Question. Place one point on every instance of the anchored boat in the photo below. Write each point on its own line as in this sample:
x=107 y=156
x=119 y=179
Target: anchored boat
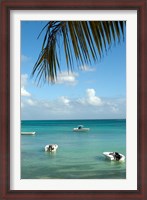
x=28 y=133
x=81 y=128
x=51 y=147
x=114 y=156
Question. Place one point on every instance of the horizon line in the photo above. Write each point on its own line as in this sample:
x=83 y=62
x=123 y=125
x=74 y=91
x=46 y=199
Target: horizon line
x=72 y=119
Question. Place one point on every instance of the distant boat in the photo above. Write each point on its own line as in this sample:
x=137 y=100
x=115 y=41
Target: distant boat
x=28 y=133
x=114 y=156
x=81 y=128
x=51 y=147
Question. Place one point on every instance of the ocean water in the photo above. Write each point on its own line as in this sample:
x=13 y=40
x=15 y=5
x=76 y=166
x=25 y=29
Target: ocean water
x=79 y=155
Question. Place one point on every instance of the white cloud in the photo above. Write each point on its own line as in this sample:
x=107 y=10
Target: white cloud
x=31 y=102
x=91 y=98
x=25 y=58
x=24 y=92
x=114 y=109
x=24 y=79
x=89 y=107
x=87 y=68
x=67 y=78
x=65 y=100
x=116 y=105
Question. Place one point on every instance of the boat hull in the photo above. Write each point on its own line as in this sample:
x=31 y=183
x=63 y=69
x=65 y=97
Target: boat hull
x=110 y=156
x=28 y=133
x=81 y=129
x=51 y=147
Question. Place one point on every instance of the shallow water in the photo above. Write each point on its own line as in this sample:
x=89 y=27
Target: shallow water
x=79 y=155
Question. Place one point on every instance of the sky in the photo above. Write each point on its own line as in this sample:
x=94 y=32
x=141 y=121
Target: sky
x=96 y=91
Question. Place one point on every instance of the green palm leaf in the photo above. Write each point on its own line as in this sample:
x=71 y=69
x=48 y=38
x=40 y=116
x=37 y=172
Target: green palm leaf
x=83 y=41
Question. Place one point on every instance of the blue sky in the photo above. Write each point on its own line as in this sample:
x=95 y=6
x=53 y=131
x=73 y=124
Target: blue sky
x=98 y=91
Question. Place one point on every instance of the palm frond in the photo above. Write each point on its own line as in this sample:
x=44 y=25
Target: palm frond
x=83 y=41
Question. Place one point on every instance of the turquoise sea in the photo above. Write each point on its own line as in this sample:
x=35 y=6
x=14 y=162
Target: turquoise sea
x=79 y=155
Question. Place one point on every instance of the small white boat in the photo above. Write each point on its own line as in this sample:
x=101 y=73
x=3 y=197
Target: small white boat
x=28 y=133
x=81 y=128
x=114 y=156
x=51 y=147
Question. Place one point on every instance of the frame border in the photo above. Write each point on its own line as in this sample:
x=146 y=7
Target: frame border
x=5 y=7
